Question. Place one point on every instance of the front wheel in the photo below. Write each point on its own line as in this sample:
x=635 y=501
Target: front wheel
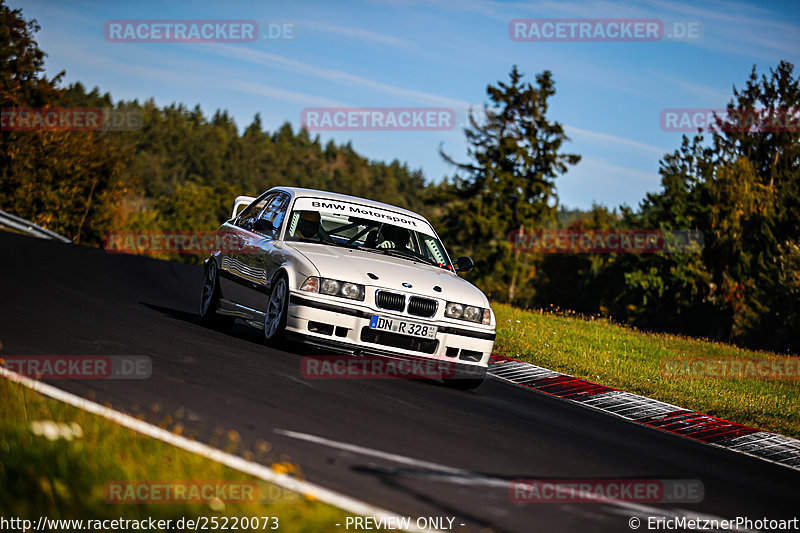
x=275 y=318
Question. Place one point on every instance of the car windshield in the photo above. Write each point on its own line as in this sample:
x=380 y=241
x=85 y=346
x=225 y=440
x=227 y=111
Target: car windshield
x=367 y=233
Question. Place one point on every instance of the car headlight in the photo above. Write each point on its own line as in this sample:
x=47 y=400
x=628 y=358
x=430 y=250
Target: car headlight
x=329 y=286
x=464 y=312
x=453 y=310
x=473 y=314
x=333 y=287
x=353 y=291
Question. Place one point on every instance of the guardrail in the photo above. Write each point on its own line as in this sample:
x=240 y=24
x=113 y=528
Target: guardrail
x=26 y=226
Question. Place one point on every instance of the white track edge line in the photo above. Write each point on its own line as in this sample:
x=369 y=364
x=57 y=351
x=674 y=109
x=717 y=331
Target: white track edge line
x=469 y=478
x=260 y=471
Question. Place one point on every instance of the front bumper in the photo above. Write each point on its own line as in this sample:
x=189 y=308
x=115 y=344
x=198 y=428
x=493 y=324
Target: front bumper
x=345 y=327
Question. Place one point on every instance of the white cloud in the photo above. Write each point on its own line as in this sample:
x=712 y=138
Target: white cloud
x=338 y=76
x=608 y=138
x=713 y=96
x=355 y=33
x=276 y=93
x=610 y=173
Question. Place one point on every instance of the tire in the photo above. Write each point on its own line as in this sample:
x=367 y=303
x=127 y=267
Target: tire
x=209 y=299
x=276 y=313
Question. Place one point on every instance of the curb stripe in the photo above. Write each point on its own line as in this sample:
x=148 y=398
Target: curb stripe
x=652 y=413
x=698 y=426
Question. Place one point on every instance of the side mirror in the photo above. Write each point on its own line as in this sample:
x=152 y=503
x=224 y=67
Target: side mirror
x=464 y=264
x=241 y=201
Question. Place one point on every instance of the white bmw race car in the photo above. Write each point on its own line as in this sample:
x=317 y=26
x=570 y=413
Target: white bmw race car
x=348 y=275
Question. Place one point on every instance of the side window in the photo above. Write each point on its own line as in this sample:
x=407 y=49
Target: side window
x=248 y=217
x=280 y=212
x=271 y=218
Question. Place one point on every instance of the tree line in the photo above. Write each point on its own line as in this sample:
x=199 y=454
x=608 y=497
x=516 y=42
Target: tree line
x=182 y=169
x=738 y=186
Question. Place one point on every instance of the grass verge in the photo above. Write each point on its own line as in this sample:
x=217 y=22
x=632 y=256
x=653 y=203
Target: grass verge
x=62 y=473
x=647 y=364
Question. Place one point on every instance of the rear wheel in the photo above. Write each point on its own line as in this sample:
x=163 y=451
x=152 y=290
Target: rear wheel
x=209 y=299
x=275 y=317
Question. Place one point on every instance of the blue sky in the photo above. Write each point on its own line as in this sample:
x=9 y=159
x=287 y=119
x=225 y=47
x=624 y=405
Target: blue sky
x=406 y=53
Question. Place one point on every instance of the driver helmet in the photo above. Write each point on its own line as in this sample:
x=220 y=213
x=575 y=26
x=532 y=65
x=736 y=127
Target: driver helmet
x=308 y=225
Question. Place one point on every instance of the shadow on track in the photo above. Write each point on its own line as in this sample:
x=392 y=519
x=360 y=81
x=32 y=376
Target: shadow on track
x=240 y=330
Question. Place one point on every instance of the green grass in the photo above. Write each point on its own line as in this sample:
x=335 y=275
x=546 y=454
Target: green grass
x=631 y=360
x=60 y=478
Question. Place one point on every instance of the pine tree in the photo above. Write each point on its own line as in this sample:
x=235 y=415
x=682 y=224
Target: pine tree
x=509 y=184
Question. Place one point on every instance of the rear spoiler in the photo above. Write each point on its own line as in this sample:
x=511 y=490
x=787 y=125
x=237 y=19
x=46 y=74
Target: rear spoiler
x=240 y=202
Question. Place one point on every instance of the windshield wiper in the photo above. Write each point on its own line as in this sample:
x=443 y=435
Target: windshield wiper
x=329 y=243
x=406 y=255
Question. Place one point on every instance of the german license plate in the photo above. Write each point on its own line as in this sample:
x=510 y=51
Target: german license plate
x=404 y=327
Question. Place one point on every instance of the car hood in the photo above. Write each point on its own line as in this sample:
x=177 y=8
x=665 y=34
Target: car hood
x=348 y=264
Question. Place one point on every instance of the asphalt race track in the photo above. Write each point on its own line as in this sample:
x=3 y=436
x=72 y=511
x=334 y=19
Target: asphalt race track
x=458 y=449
